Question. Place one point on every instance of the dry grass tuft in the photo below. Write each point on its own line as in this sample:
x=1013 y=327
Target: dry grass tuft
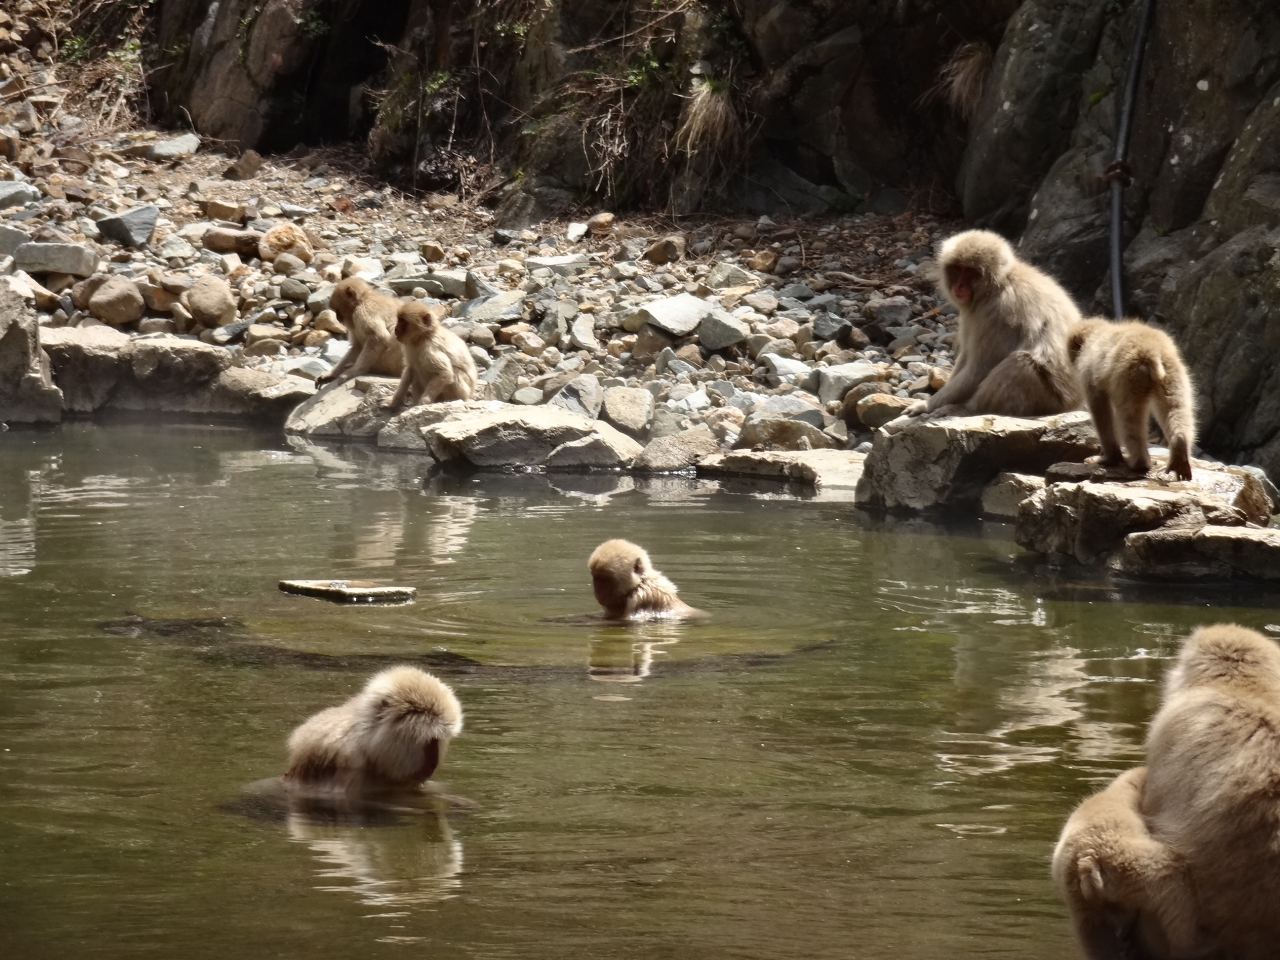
x=710 y=126
x=962 y=79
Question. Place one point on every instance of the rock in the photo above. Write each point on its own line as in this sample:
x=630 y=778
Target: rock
x=173 y=365
x=679 y=315
x=11 y=238
x=575 y=232
x=582 y=395
x=1207 y=552
x=727 y=275
x=505 y=306
x=567 y=265
x=1003 y=495
x=366 y=268
x=343 y=410
x=781 y=433
x=117 y=301
x=789 y=408
x=245 y=168
x=262 y=331
x=287 y=238
x=86 y=362
x=933 y=464
x=786 y=370
x=132 y=227
x=431 y=251
x=404 y=431
x=582 y=333
x=878 y=409
x=834 y=473
x=179 y=148
x=55 y=258
x=719 y=329
x=890 y=312
x=244 y=243
x=27 y=393
x=630 y=409
x=508 y=436
x=174 y=247
x=328 y=321
x=667 y=250
x=502 y=378
x=606 y=449
x=211 y=302
x=828 y=327
x=15 y=193
x=266 y=347
x=786 y=266
x=600 y=224
x=834 y=382
x=289 y=265
x=527 y=396
x=650 y=342
x=764 y=261
x=294 y=290
x=677 y=452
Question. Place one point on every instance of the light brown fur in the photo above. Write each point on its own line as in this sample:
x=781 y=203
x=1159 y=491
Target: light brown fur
x=437 y=364
x=370 y=319
x=1213 y=783
x=1127 y=371
x=1012 y=344
x=629 y=588
x=1128 y=894
x=391 y=734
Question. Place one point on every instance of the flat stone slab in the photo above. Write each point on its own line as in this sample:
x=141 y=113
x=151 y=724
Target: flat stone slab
x=1210 y=552
x=349 y=591
x=834 y=473
x=678 y=315
x=514 y=436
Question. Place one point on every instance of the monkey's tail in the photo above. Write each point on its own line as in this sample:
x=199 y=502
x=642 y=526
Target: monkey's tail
x=1149 y=370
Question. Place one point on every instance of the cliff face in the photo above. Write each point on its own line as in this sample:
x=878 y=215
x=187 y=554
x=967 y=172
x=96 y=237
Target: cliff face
x=808 y=106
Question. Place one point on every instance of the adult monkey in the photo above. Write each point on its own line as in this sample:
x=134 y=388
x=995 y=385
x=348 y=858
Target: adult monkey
x=1012 y=346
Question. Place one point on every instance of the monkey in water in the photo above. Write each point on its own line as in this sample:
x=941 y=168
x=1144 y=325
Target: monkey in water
x=1012 y=344
x=1128 y=894
x=630 y=589
x=1127 y=371
x=437 y=364
x=370 y=320
x=392 y=734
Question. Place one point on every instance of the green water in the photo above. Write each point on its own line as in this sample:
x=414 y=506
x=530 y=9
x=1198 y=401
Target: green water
x=867 y=752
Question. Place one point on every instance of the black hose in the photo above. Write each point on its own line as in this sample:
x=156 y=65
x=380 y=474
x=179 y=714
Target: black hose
x=1117 y=171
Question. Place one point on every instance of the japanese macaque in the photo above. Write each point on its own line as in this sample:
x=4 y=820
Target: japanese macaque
x=1128 y=893
x=1127 y=371
x=370 y=319
x=629 y=588
x=437 y=364
x=392 y=734
x=1012 y=345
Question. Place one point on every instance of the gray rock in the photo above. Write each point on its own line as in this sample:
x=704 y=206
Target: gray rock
x=556 y=319
x=788 y=408
x=117 y=301
x=796 y=291
x=27 y=393
x=294 y=290
x=785 y=370
x=178 y=148
x=890 y=312
x=827 y=326
x=16 y=193
x=835 y=382
x=506 y=306
x=211 y=302
x=778 y=433
x=606 y=449
x=630 y=409
x=11 y=238
x=288 y=264
x=727 y=275
x=527 y=396
x=575 y=232
x=230 y=332
x=87 y=363
x=318 y=299
x=834 y=473
x=174 y=247
x=1002 y=496
x=719 y=329
x=566 y=265
x=55 y=258
x=501 y=378
x=132 y=227
x=678 y=315
x=677 y=452
x=582 y=333
x=508 y=436
x=1210 y=551
x=582 y=395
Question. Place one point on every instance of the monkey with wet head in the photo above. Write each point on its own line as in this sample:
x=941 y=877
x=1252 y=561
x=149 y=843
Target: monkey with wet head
x=628 y=587
x=1012 y=343
x=391 y=735
x=370 y=320
x=437 y=363
x=1127 y=372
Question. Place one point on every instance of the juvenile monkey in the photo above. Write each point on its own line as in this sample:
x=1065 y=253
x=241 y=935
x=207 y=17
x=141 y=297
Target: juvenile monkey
x=370 y=319
x=1213 y=783
x=437 y=364
x=392 y=734
x=1127 y=371
x=1012 y=344
x=629 y=588
x=1128 y=893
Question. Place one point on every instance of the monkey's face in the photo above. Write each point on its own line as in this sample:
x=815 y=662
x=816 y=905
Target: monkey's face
x=964 y=283
x=612 y=582
x=345 y=298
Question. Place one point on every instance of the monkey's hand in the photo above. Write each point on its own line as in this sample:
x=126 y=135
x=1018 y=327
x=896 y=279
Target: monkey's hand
x=917 y=409
x=390 y=406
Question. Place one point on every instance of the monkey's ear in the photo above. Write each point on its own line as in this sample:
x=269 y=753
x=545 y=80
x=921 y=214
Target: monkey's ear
x=639 y=565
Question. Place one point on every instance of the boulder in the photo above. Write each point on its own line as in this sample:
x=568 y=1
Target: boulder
x=678 y=451
x=132 y=227
x=678 y=315
x=919 y=464
x=286 y=238
x=87 y=362
x=630 y=409
x=27 y=393
x=117 y=301
x=565 y=265
x=719 y=329
x=16 y=193
x=606 y=449
x=404 y=431
x=1006 y=492
x=243 y=243
x=508 y=436
x=177 y=148
x=212 y=302
x=73 y=258
x=876 y=410
x=724 y=275
x=581 y=395
x=786 y=370
x=11 y=238
x=666 y=250
x=778 y=433
x=172 y=364
x=833 y=472
x=1209 y=552
x=834 y=382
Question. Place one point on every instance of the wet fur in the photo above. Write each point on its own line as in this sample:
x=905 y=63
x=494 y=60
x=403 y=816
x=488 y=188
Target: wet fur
x=1213 y=783
x=1128 y=894
x=1127 y=372
x=629 y=588
x=391 y=734
x=370 y=320
x=437 y=364
x=1012 y=343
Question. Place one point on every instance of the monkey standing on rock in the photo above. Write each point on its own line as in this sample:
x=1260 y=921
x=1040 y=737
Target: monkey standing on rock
x=1012 y=344
x=437 y=363
x=1127 y=371
x=370 y=319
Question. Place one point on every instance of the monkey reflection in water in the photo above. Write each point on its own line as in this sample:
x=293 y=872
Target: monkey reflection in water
x=624 y=658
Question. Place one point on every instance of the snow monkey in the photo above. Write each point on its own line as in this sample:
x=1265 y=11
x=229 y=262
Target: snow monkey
x=391 y=734
x=629 y=588
x=370 y=319
x=1128 y=894
x=1127 y=371
x=437 y=364
x=1012 y=346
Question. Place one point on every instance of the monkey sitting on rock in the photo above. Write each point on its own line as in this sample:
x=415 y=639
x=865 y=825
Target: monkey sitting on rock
x=1011 y=354
x=628 y=587
x=1128 y=371
x=370 y=320
x=437 y=363
x=1184 y=861
x=391 y=735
